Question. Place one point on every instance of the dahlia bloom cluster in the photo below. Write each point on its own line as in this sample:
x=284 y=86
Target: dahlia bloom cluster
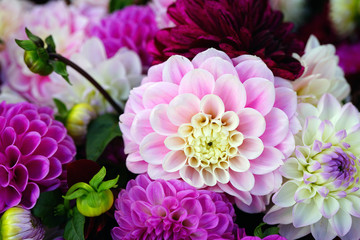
x=321 y=193
x=33 y=149
x=172 y=209
x=212 y=122
x=132 y=27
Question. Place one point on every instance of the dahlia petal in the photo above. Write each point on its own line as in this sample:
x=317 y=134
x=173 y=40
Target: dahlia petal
x=239 y=164
x=160 y=122
x=11 y=196
x=251 y=147
x=269 y=160
x=253 y=68
x=213 y=105
x=209 y=53
x=208 y=221
x=30 y=142
x=221 y=175
x=311 y=129
x=287 y=146
x=175 y=142
x=4 y=176
x=262 y=97
x=341 y=222
x=64 y=154
x=20 y=177
x=56 y=132
x=20 y=123
x=305 y=214
x=191 y=176
x=222 y=225
x=278 y=215
x=174 y=161
x=328 y=107
x=175 y=68
x=306 y=110
x=157 y=171
x=329 y=207
x=47 y=147
x=192 y=206
x=141 y=126
x=8 y=136
x=55 y=168
x=264 y=184
x=290 y=232
x=291 y=169
x=182 y=108
x=159 y=93
x=13 y=156
x=243 y=181
x=354 y=232
x=248 y=118
x=228 y=188
x=38 y=167
x=30 y=195
x=285 y=196
x=198 y=82
x=257 y=204
x=277 y=127
x=155 y=193
x=286 y=100
x=199 y=234
x=153 y=149
x=208 y=177
x=231 y=91
x=218 y=67
x=347 y=118
x=322 y=230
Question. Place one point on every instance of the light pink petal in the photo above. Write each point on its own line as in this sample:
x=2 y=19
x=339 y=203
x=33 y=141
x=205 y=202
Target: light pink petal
x=174 y=161
x=251 y=148
x=154 y=74
x=260 y=94
x=254 y=68
x=231 y=91
x=286 y=100
x=270 y=159
x=251 y=123
x=191 y=176
x=287 y=146
x=239 y=163
x=160 y=121
x=157 y=171
x=257 y=205
x=198 y=82
x=212 y=105
x=277 y=127
x=141 y=126
x=175 y=68
x=211 y=52
x=135 y=102
x=159 y=93
x=243 y=181
x=182 y=108
x=153 y=149
x=218 y=67
x=264 y=184
x=136 y=164
x=231 y=190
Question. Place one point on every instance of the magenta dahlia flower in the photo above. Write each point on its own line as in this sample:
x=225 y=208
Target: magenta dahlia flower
x=132 y=27
x=33 y=149
x=235 y=27
x=212 y=124
x=171 y=209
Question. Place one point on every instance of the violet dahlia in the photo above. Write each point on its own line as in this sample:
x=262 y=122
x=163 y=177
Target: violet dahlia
x=132 y=27
x=235 y=27
x=33 y=149
x=171 y=209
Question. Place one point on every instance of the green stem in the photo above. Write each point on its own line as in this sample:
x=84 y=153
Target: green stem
x=70 y=63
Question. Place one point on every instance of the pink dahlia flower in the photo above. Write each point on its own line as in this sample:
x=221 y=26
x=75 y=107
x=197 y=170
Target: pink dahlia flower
x=171 y=209
x=211 y=124
x=132 y=27
x=66 y=25
x=33 y=150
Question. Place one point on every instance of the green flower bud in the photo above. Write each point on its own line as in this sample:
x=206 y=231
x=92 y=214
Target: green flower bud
x=36 y=64
x=17 y=223
x=94 y=204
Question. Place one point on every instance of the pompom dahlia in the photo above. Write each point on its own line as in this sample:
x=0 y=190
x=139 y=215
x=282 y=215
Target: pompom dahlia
x=67 y=28
x=235 y=27
x=211 y=123
x=322 y=73
x=321 y=194
x=132 y=27
x=171 y=209
x=33 y=149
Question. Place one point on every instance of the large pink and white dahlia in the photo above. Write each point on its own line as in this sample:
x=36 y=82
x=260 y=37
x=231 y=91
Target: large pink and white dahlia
x=212 y=122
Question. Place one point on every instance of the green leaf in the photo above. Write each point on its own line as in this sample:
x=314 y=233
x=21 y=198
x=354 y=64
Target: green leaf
x=118 y=4
x=60 y=68
x=108 y=184
x=258 y=231
x=27 y=45
x=97 y=178
x=271 y=231
x=51 y=48
x=78 y=193
x=100 y=133
x=61 y=107
x=46 y=208
x=38 y=41
x=74 y=229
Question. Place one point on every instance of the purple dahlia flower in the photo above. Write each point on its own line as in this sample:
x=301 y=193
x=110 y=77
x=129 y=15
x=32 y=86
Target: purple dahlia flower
x=33 y=149
x=235 y=27
x=171 y=209
x=132 y=27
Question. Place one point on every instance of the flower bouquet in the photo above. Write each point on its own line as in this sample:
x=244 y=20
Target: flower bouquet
x=179 y=119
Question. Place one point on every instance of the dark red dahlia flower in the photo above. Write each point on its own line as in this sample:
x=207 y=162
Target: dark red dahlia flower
x=234 y=26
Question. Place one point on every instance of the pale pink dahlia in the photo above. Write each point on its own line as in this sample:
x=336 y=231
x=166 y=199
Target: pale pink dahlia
x=211 y=124
x=33 y=150
x=171 y=209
